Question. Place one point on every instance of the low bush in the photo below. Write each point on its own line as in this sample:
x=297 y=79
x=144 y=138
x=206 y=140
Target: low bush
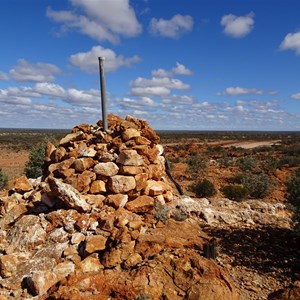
x=203 y=188
x=291 y=161
x=225 y=160
x=197 y=165
x=247 y=163
x=161 y=212
x=293 y=189
x=235 y=192
x=34 y=166
x=258 y=185
x=3 y=180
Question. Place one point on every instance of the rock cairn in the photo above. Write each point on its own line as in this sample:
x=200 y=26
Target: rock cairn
x=100 y=224
x=123 y=167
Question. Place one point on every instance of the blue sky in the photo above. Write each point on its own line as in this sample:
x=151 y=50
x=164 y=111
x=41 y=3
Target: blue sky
x=179 y=64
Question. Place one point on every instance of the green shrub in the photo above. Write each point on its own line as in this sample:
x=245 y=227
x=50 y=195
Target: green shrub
x=235 y=192
x=247 y=163
x=293 y=189
x=291 y=161
x=258 y=185
x=197 y=164
x=203 y=188
x=225 y=160
x=3 y=180
x=34 y=166
x=269 y=164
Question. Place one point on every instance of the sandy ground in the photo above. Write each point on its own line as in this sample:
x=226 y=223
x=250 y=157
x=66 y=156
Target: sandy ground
x=13 y=163
x=234 y=143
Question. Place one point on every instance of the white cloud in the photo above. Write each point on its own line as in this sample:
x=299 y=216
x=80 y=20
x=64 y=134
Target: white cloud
x=169 y=83
x=173 y=28
x=150 y=91
x=238 y=91
x=99 y=19
x=3 y=76
x=88 y=61
x=238 y=26
x=296 y=96
x=25 y=71
x=53 y=91
x=178 y=99
x=139 y=103
x=180 y=69
x=291 y=42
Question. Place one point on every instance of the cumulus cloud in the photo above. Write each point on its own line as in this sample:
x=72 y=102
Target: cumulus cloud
x=150 y=91
x=238 y=26
x=88 y=61
x=173 y=28
x=25 y=71
x=296 y=96
x=99 y=19
x=169 y=83
x=179 y=69
x=178 y=99
x=291 y=42
x=52 y=91
x=238 y=91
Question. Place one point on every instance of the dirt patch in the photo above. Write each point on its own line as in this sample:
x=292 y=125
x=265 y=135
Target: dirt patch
x=13 y=163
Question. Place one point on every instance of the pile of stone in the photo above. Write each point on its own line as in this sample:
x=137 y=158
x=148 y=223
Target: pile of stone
x=100 y=224
x=124 y=164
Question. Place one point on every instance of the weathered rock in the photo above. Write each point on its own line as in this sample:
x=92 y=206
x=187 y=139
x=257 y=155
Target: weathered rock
x=59 y=154
x=106 y=169
x=9 y=264
x=117 y=200
x=77 y=238
x=95 y=243
x=97 y=187
x=133 y=260
x=82 y=164
x=49 y=152
x=121 y=184
x=95 y=201
x=141 y=204
x=61 y=166
x=68 y=195
x=130 y=158
x=130 y=133
x=141 y=181
x=26 y=234
x=131 y=170
x=71 y=138
x=40 y=281
x=23 y=185
x=91 y=264
x=89 y=152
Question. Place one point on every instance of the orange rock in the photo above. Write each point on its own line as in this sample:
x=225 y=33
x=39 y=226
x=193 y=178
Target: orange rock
x=141 y=204
x=97 y=187
x=23 y=185
x=121 y=184
x=95 y=243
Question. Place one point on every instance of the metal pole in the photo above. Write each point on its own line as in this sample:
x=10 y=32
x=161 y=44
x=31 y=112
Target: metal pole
x=103 y=93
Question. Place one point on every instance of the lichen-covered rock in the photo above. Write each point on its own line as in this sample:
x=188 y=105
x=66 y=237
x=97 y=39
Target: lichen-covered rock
x=68 y=195
x=121 y=184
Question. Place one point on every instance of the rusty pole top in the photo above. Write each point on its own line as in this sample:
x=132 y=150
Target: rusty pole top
x=103 y=93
